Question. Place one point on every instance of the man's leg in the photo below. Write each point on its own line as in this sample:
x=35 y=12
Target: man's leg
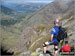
x=55 y=50
x=44 y=46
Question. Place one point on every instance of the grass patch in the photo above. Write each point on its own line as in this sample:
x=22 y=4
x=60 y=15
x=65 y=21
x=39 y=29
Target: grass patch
x=41 y=28
x=39 y=43
x=43 y=38
x=67 y=29
x=70 y=34
x=34 y=39
x=9 y=40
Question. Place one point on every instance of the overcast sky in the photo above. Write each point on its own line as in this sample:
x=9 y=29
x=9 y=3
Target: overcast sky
x=45 y=1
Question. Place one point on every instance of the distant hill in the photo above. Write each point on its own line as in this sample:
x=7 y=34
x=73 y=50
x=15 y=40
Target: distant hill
x=9 y=16
x=29 y=7
x=6 y=10
x=25 y=7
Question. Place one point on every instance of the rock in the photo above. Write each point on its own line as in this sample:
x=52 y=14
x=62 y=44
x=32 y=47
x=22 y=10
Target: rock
x=41 y=55
x=51 y=48
x=25 y=53
x=38 y=54
x=38 y=50
x=44 y=55
x=34 y=54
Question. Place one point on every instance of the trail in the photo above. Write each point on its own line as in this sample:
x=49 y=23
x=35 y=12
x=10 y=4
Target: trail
x=35 y=42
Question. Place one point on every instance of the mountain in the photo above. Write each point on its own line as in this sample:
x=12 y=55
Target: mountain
x=33 y=31
x=10 y=26
x=51 y=11
x=39 y=25
x=29 y=7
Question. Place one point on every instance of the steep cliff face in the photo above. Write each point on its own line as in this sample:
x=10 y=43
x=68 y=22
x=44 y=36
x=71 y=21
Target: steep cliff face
x=42 y=22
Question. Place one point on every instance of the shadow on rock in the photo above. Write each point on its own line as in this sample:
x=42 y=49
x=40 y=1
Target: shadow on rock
x=5 y=52
x=50 y=53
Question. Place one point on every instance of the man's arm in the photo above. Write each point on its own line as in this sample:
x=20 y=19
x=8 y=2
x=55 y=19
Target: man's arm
x=62 y=49
x=51 y=37
x=52 y=33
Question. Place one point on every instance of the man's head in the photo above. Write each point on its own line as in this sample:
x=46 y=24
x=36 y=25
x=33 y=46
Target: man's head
x=56 y=22
x=66 y=42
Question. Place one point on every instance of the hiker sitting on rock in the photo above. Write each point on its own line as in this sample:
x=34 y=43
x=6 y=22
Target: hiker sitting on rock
x=66 y=48
x=53 y=40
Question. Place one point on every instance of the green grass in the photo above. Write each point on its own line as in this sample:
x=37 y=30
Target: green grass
x=41 y=28
x=67 y=28
x=70 y=35
x=39 y=43
x=44 y=38
x=9 y=40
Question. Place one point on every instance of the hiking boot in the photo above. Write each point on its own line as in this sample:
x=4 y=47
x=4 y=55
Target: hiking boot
x=44 y=53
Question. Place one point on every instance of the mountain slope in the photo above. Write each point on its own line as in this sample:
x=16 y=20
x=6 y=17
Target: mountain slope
x=9 y=34
x=51 y=11
x=42 y=22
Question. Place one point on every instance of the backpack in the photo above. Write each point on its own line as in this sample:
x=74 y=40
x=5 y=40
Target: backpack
x=62 y=33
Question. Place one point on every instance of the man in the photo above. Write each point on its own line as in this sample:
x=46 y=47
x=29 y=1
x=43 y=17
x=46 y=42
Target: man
x=54 y=41
x=66 y=48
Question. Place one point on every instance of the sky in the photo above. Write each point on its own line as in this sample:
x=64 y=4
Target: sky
x=36 y=1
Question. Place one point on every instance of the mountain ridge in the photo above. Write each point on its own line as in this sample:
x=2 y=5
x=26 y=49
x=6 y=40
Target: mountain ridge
x=48 y=13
